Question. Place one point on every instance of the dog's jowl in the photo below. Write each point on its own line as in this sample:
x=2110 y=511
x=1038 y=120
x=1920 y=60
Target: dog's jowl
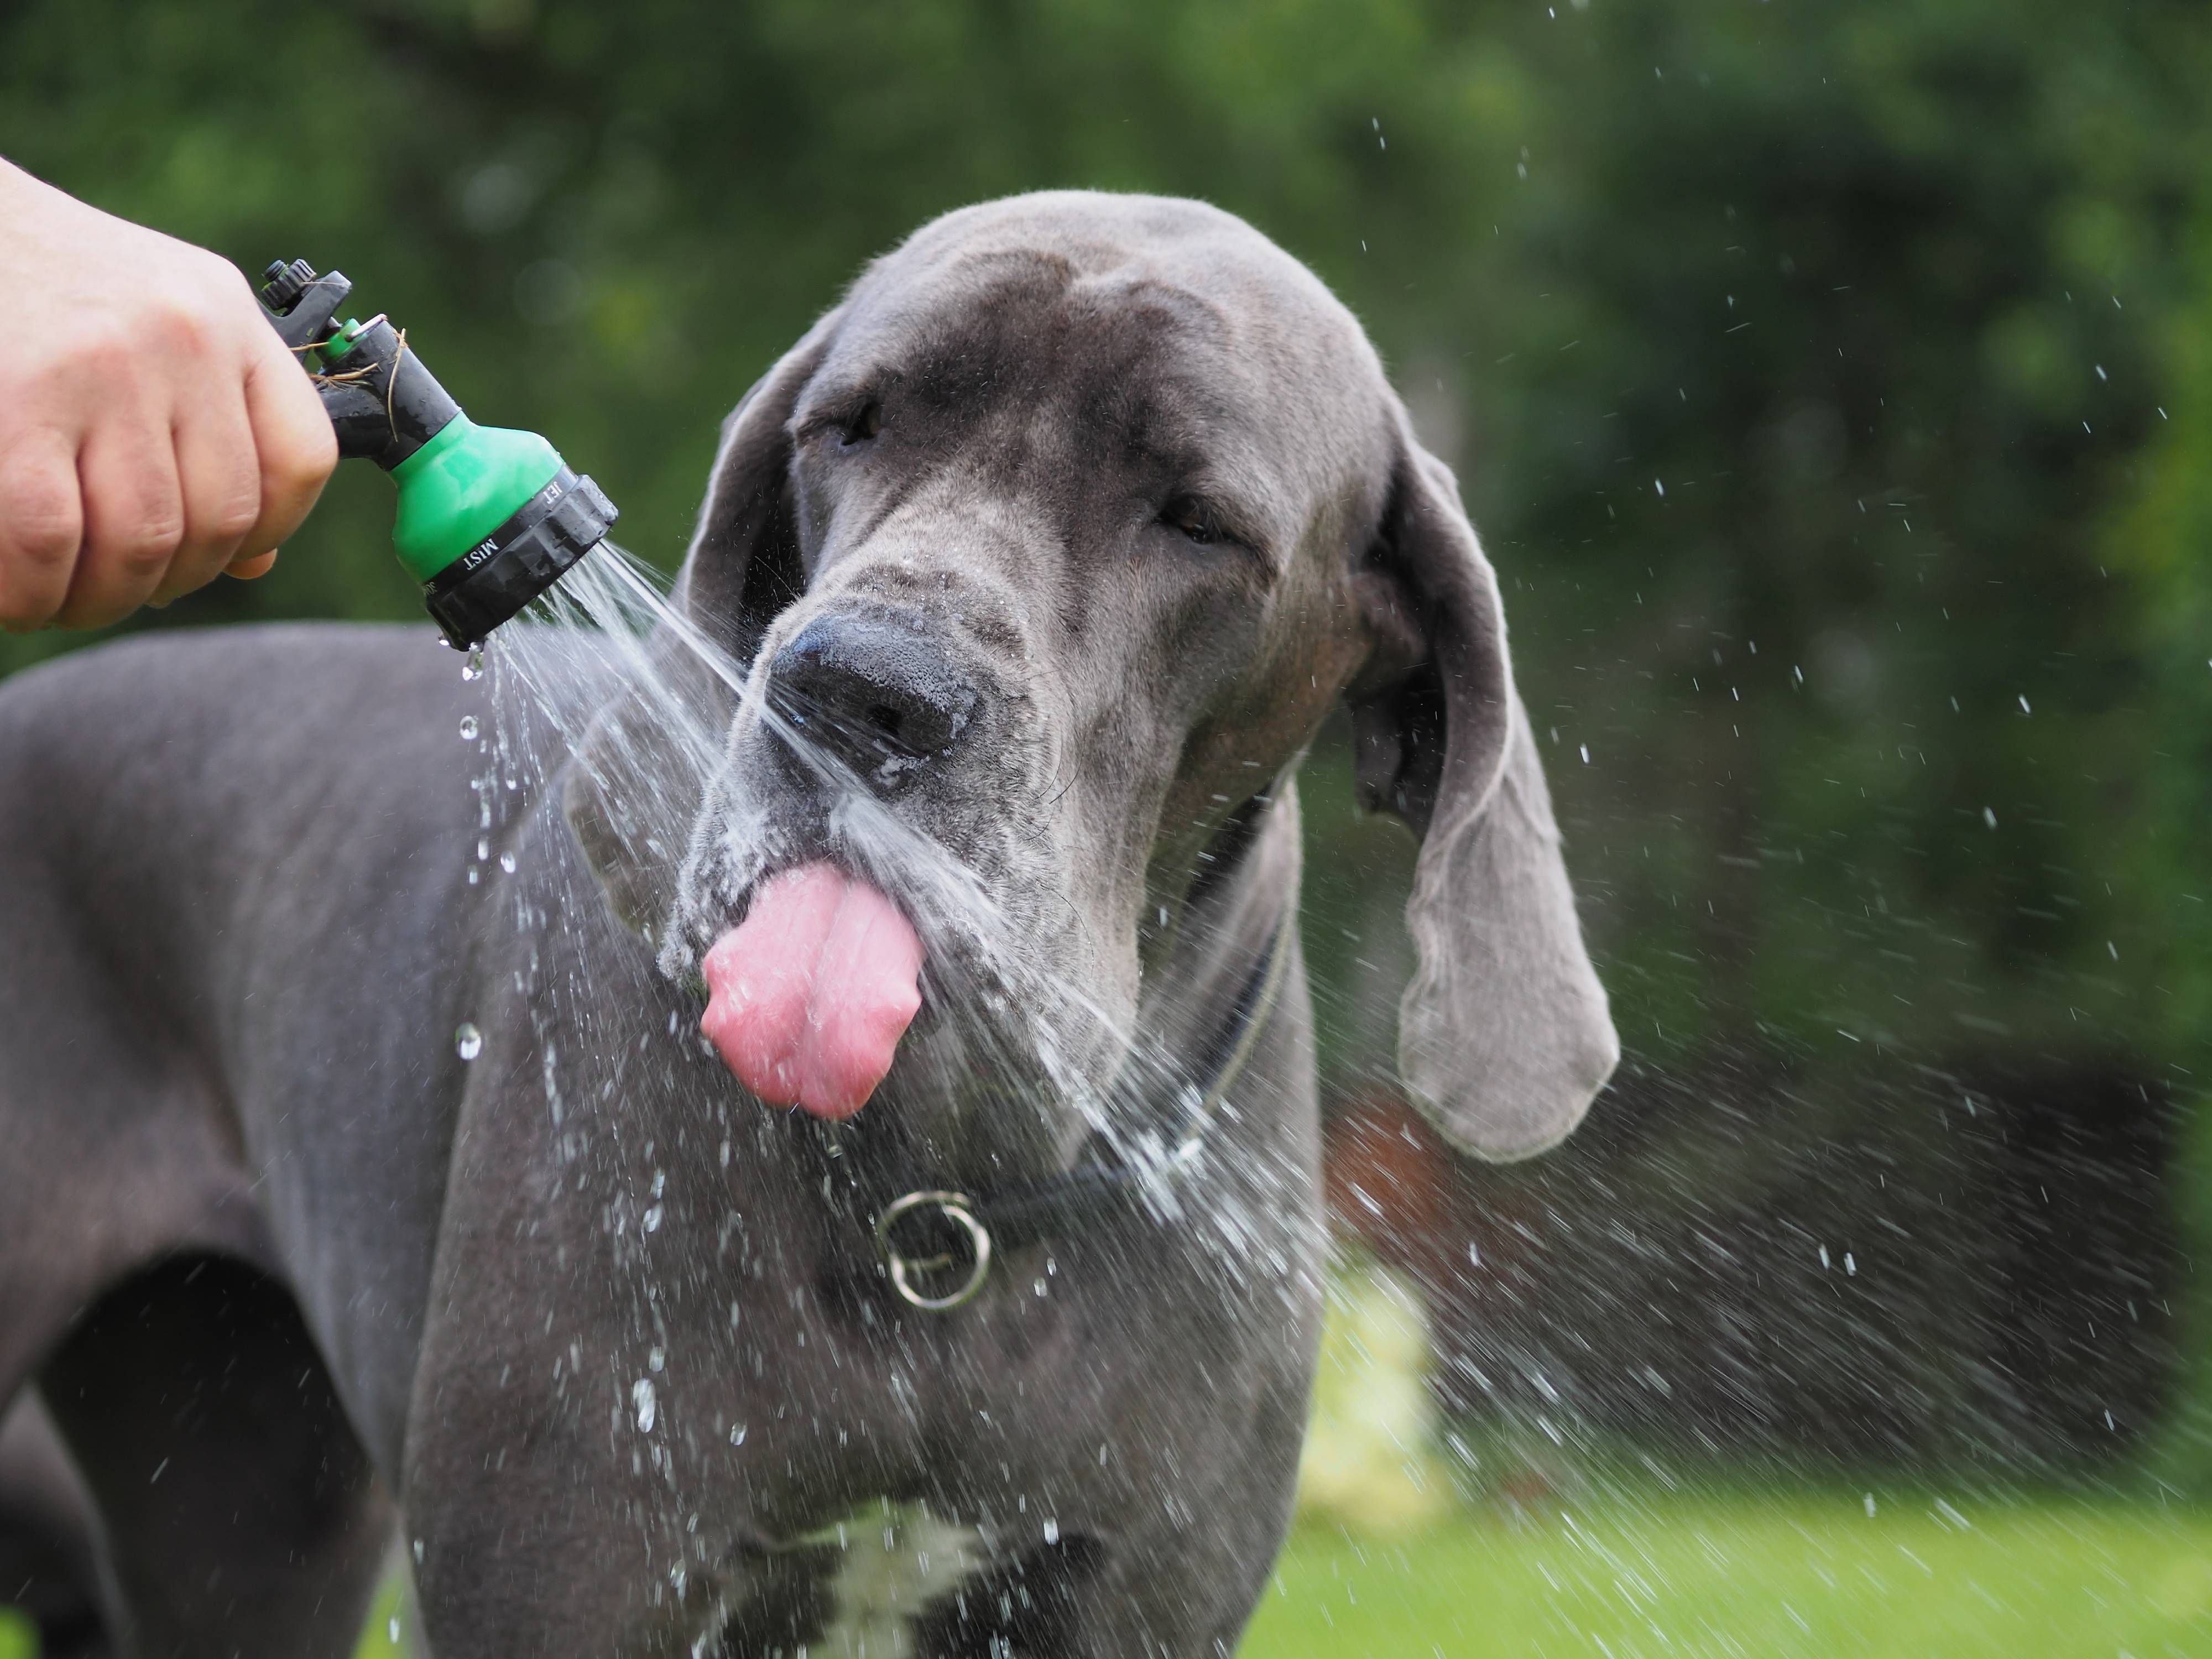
x=882 y=1206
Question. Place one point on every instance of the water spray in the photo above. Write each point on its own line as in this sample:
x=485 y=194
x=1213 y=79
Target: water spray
x=488 y=518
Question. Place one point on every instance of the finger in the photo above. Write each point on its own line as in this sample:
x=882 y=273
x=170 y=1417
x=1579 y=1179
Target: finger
x=293 y=440
x=41 y=523
x=220 y=478
x=252 y=569
x=134 y=521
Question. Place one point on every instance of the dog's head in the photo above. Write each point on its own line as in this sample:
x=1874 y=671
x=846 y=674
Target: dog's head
x=1049 y=550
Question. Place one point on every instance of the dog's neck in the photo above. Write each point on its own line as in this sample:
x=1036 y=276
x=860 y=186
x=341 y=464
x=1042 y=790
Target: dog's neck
x=1205 y=1023
x=1246 y=884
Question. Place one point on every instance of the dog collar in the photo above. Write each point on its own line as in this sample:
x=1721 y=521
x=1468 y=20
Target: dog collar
x=938 y=1246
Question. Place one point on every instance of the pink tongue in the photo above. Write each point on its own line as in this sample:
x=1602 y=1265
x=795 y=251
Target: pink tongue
x=811 y=993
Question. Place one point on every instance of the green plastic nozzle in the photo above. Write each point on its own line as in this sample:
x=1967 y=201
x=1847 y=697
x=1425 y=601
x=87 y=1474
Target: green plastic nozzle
x=488 y=518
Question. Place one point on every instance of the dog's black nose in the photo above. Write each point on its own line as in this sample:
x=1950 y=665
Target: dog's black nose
x=872 y=693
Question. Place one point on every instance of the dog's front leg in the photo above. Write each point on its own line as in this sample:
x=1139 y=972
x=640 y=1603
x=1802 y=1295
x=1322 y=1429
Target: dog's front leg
x=551 y=1463
x=572 y=1483
x=1202 y=1538
x=1151 y=1481
x=538 y=1516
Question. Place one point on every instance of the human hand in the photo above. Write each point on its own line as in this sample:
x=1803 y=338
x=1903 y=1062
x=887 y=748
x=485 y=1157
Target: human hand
x=153 y=430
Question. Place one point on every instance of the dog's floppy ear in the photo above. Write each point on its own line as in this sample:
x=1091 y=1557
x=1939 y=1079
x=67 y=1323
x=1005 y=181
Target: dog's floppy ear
x=1503 y=1036
x=743 y=566
x=642 y=769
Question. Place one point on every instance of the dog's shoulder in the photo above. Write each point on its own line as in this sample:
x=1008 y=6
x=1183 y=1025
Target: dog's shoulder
x=233 y=723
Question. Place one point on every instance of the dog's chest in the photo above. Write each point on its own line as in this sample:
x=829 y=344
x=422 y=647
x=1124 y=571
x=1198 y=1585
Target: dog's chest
x=888 y=1563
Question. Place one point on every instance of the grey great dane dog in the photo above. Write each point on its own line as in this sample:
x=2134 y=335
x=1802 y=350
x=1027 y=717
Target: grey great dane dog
x=1035 y=567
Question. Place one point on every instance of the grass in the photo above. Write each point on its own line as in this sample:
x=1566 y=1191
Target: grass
x=1786 y=1575
x=1779 y=1575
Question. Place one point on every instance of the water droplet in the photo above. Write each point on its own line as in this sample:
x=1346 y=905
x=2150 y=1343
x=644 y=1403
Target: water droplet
x=469 y=728
x=1869 y=1505
x=651 y=1221
x=418 y=1551
x=1052 y=1532
x=1990 y=817
x=1824 y=1257
x=1850 y=1268
x=468 y=1041
x=391 y=1629
x=657 y=1358
x=1039 y=1287
x=472 y=875
x=641 y=1394
x=507 y=862
x=484 y=848
x=473 y=668
x=736 y=1434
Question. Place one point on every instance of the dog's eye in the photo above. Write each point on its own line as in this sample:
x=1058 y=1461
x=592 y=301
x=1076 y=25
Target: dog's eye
x=864 y=425
x=1195 y=519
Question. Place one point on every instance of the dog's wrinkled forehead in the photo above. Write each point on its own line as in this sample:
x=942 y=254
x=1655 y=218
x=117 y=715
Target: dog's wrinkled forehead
x=1168 y=328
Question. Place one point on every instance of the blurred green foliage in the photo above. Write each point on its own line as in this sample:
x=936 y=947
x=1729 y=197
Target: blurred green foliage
x=1833 y=383
x=1798 y=360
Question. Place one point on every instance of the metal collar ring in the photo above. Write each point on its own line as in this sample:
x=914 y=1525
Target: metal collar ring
x=905 y=1271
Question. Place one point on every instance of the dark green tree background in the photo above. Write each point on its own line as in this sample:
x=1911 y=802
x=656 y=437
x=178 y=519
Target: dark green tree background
x=1831 y=382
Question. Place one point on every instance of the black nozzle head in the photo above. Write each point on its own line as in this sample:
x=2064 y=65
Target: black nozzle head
x=493 y=581
x=282 y=283
x=301 y=305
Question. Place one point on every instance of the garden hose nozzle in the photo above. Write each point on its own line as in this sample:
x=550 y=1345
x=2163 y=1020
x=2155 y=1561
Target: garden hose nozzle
x=488 y=518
